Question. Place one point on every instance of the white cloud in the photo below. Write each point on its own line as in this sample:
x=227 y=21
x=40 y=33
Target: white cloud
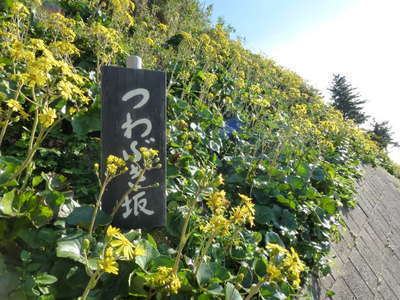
x=362 y=43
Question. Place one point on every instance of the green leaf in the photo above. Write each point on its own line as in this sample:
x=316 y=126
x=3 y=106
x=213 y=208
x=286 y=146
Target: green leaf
x=41 y=215
x=67 y=207
x=273 y=238
x=54 y=199
x=150 y=254
x=231 y=293
x=329 y=293
x=267 y=291
x=318 y=174
x=328 y=204
x=286 y=201
x=303 y=170
x=71 y=247
x=45 y=279
x=8 y=166
x=82 y=216
x=86 y=122
x=260 y=266
x=6 y=204
x=211 y=272
x=161 y=260
x=266 y=215
x=36 y=180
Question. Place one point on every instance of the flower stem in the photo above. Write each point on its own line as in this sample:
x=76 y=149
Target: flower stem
x=203 y=251
x=183 y=237
x=97 y=206
x=255 y=289
x=91 y=284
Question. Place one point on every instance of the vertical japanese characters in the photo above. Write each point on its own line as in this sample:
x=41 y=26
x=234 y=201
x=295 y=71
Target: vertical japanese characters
x=136 y=202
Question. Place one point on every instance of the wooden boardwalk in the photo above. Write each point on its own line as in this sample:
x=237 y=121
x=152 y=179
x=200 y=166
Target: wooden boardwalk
x=366 y=262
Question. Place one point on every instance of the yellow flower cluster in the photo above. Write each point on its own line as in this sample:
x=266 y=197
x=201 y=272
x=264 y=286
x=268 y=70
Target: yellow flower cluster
x=244 y=213
x=218 y=225
x=165 y=278
x=18 y=9
x=47 y=117
x=14 y=105
x=107 y=42
x=262 y=102
x=220 y=180
x=59 y=25
x=284 y=265
x=118 y=247
x=115 y=165
x=148 y=153
x=149 y=41
x=63 y=48
x=163 y=27
x=122 y=12
x=255 y=89
x=150 y=157
x=217 y=202
x=210 y=79
x=108 y=263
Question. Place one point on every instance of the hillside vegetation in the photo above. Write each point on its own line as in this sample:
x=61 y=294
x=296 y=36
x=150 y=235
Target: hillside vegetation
x=258 y=165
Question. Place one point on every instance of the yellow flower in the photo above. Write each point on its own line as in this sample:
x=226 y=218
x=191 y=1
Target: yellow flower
x=274 y=274
x=14 y=105
x=220 y=180
x=293 y=262
x=245 y=213
x=108 y=264
x=149 y=41
x=112 y=231
x=276 y=249
x=209 y=79
x=165 y=278
x=62 y=48
x=186 y=36
x=217 y=202
x=115 y=165
x=255 y=89
x=148 y=153
x=66 y=89
x=242 y=215
x=47 y=117
x=123 y=246
x=218 y=225
x=163 y=27
x=17 y=8
x=246 y=200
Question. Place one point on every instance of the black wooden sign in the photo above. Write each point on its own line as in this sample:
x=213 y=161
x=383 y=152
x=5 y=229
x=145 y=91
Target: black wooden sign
x=133 y=116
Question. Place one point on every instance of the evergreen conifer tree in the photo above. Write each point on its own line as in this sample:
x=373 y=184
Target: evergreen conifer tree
x=382 y=135
x=347 y=100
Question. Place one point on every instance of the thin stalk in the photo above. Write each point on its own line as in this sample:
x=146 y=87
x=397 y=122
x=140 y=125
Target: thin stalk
x=183 y=237
x=203 y=251
x=97 y=206
x=254 y=290
x=4 y=129
x=91 y=284
x=8 y=117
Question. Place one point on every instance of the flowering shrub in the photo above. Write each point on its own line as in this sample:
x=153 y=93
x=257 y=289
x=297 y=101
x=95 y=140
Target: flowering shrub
x=258 y=165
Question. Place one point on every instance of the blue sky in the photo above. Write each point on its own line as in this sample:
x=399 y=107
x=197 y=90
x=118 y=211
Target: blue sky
x=316 y=38
x=272 y=22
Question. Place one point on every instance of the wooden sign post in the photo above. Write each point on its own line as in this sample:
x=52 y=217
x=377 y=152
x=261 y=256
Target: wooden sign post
x=134 y=116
